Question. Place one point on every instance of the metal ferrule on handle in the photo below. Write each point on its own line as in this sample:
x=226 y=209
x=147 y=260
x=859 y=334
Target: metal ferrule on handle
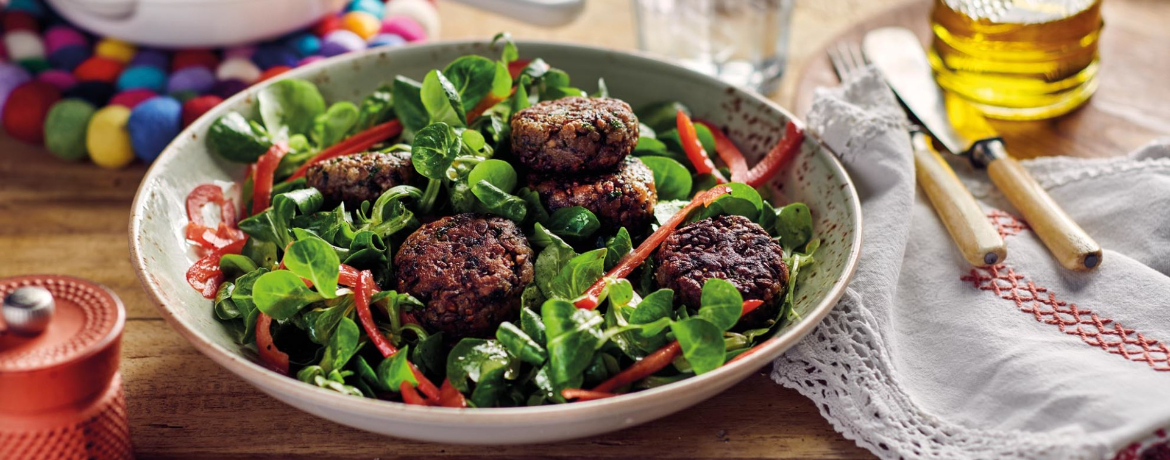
x=964 y=219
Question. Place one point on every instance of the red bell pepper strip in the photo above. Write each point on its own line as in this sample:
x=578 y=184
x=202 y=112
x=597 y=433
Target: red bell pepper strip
x=348 y=276
x=407 y=317
x=263 y=178
x=211 y=236
x=425 y=385
x=272 y=357
x=585 y=395
x=205 y=275
x=209 y=194
x=486 y=103
x=694 y=149
x=517 y=66
x=776 y=158
x=632 y=260
x=749 y=305
x=727 y=151
x=449 y=396
x=362 y=293
x=410 y=396
x=364 y=288
x=353 y=144
x=652 y=363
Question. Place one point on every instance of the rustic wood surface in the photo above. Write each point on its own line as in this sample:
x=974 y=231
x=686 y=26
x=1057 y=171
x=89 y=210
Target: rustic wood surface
x=71 y=218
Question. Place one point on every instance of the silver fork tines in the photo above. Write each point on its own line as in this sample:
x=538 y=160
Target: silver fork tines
x=847 y=59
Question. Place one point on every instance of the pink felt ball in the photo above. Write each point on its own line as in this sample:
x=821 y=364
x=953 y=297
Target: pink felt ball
x=405 y=27
x=58 y=37
x=131 y=98
x=59 y=78
x=309 y=60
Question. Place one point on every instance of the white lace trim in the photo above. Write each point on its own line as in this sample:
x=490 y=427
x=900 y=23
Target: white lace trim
x=843 y=366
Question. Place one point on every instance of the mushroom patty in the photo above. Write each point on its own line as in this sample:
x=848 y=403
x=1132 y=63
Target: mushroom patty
x=574 y=134
x=622 y=198
x=469 y=271
x=352 y=179
x=726 y=247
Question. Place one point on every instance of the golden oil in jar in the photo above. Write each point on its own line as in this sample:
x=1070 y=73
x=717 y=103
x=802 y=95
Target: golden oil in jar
x=1017 y=59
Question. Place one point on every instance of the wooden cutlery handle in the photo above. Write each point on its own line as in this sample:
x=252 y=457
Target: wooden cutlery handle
x=1067 y=241
x=968 y=225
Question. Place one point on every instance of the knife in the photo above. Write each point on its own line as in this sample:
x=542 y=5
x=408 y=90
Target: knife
x=958 y=126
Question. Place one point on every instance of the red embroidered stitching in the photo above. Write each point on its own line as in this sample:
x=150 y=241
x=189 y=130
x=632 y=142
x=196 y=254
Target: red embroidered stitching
x=1070 y=319
x=1099 y=332
x=1006 y=224
x=1156 y=448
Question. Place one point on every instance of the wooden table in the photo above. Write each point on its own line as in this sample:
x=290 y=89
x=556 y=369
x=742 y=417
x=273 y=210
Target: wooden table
x=71 y=218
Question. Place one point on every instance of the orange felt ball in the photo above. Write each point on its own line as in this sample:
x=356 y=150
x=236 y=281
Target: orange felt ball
x=197 y=106
x=26 y=109
x=98 y=68
x=273 y=71
x=191 y=58
x=362 y=23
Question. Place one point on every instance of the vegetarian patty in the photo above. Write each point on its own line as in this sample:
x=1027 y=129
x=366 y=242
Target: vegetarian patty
x=358 y=177
x=574 y=134
x=727 y=247
x=622 y=198
x=469 y=270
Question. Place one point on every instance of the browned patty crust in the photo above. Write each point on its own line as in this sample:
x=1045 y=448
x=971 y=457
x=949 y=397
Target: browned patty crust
x=574 y=134
x=622 y=198
x=469 y=270
x=727 y=247
x=358 y=177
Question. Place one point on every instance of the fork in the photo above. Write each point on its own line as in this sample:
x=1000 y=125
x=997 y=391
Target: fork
x=978 y=241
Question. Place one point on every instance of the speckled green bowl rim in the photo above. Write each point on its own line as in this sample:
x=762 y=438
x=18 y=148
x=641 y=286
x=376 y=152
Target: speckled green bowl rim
x=770 y=350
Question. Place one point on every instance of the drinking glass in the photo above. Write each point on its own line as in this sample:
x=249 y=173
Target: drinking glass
x=743 y=42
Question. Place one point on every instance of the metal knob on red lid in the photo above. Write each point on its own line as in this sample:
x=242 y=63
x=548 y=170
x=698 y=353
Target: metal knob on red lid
x=27 y=310
x=59 y=351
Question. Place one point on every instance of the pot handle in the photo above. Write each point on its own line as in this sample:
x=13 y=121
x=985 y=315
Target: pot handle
x=545 y=13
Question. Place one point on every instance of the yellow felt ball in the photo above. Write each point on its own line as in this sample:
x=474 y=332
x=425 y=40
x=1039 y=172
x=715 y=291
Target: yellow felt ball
x=115 y=49
x=107 y=139
x=363 y=24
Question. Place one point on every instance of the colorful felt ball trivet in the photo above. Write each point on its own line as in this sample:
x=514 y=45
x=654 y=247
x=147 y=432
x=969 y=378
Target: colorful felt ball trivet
x=112 y=101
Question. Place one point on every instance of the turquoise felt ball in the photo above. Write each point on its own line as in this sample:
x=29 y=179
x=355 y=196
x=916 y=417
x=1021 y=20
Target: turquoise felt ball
x=32 y=7
x=373 y=7
x=142 y=76
x=152 y=125
x=305 y=44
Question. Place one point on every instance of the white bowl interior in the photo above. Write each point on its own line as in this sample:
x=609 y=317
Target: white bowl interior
x=162 y=256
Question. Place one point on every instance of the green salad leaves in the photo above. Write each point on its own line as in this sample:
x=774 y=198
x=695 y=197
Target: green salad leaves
x=297 y=265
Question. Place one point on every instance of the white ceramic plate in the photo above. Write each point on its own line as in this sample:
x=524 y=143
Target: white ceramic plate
x=161 y=256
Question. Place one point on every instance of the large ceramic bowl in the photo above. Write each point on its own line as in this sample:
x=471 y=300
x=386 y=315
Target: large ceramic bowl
x=161 y=256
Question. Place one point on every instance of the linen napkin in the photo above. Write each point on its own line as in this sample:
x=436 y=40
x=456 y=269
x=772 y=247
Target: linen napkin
x=928 y=357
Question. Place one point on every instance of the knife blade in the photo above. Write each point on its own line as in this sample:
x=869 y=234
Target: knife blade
x=897 y=54
x=957 y=125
